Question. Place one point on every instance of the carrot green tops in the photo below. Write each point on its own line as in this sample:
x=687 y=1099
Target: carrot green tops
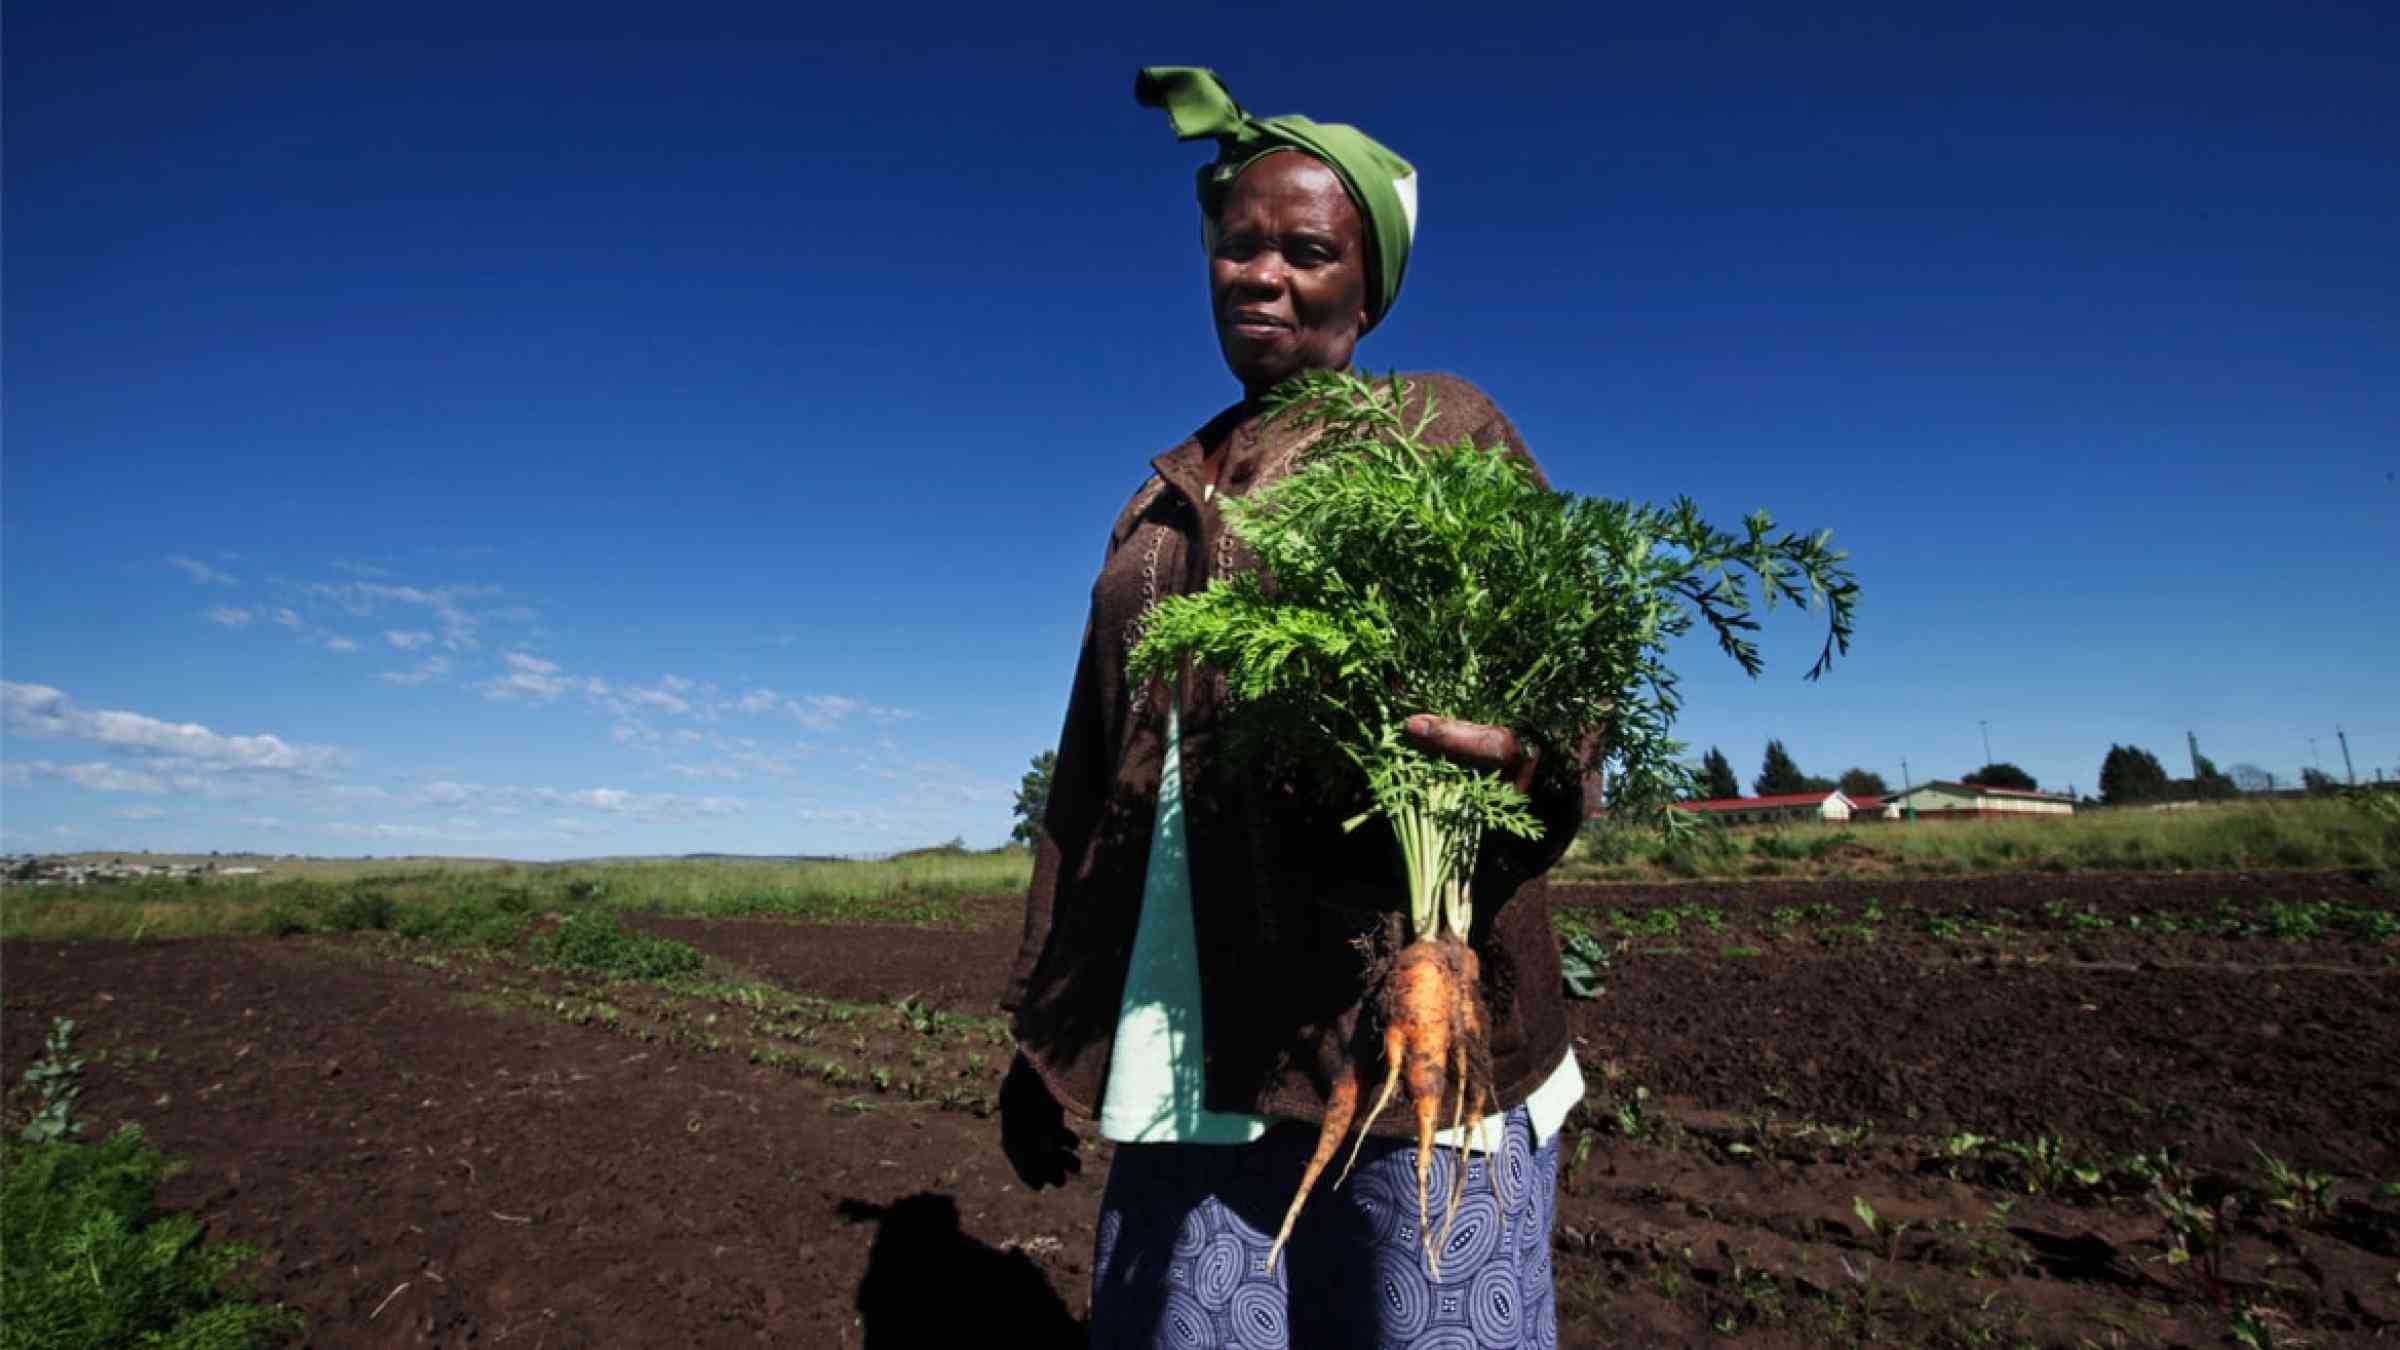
x=1283 y=902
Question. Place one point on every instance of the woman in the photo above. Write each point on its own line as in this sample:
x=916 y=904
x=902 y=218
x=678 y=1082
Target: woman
x=1196 y=933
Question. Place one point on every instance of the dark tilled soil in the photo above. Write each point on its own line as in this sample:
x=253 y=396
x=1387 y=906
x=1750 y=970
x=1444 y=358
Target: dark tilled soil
x=435 y=1149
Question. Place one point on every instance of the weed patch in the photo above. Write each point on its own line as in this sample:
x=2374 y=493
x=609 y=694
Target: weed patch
x=602 y=943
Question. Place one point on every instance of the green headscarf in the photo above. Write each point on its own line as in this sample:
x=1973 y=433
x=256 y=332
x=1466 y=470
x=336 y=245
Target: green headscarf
x=1380 y=183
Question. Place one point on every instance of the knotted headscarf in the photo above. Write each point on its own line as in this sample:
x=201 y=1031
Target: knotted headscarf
x=1381 y=184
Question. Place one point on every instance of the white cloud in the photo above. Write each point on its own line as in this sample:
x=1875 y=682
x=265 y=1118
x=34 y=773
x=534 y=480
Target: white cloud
x=259 y=822
x=229 y=616
x=95 y=775
x=823 y=712
x=674 y=682
x=423 y=672
x=510 y=800
x=137 y=813
x=340 y=644
x=287 y=618
x=447 y=604
x=407 y=640
x=201 y=572
x=37 y=710
x=661 y=699
x=366 y=793
x=101 y=777
x=530 y=676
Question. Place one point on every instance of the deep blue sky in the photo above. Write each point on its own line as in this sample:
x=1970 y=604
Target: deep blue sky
x=573 y=429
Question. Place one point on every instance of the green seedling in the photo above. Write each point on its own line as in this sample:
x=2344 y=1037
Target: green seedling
x=1582 y=1153
x=2199 y=1221
x=1633 y=1118
x=52 y=1078
x=2305 y=1195
x=1878 y=1226
x=1583 y=962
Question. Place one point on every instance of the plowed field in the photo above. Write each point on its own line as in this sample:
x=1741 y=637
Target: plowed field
x=442 y=1147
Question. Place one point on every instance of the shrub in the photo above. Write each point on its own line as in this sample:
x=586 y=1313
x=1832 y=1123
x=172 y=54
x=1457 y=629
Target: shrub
x=360 y=909
x=602 y=943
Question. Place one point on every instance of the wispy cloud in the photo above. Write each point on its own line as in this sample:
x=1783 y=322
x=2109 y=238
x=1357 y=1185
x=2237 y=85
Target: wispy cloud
x=96 y=776
x=510 y=799
x=447 y=605
x=423 y=672
x=37 y=710
x=407 y=640
x=816 y=712
x=528 y=676
x=340 y=644
x=229 y=616
x=201 y=572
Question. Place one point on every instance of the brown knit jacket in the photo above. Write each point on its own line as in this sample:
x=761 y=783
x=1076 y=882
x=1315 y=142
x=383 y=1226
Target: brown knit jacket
x=1281 y=897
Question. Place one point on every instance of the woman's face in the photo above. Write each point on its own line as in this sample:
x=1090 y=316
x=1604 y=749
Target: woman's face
x=1287 y=271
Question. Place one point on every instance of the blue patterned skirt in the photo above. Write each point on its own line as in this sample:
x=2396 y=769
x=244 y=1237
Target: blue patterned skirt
x=1185 y=1228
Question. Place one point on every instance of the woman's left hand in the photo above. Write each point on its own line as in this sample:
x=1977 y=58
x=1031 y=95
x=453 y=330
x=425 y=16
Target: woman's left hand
x=1476 y=745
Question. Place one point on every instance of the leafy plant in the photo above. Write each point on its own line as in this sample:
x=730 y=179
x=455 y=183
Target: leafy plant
x=1584 y=960
x=1632 y=1117
x=601 y=942
x=1877 y=1226
x=53 y=1080
x=2305 y=1195
x=89 y=1261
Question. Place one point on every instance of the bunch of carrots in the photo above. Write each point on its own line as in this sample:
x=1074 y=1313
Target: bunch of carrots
x=1399 y=577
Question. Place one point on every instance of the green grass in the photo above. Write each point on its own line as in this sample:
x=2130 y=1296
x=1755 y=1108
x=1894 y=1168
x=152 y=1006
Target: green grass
x=490 y=904
x=2232 y=836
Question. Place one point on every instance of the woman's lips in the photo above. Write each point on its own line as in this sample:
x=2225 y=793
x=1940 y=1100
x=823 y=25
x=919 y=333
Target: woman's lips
x=1251 y=324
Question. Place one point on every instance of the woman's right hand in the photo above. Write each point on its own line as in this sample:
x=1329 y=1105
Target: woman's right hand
x=1033 y=1130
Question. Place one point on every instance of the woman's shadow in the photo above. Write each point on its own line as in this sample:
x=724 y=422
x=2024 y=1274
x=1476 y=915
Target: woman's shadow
x=929 y=1284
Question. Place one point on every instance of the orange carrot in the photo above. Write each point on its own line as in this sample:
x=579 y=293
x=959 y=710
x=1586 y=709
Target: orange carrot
x=1341 y=1103
x=1433 y=1040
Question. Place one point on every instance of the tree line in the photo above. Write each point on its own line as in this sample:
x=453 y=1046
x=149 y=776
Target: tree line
x=1779 y=775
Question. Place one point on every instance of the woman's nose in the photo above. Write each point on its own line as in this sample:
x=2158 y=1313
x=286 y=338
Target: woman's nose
x=1263 y=270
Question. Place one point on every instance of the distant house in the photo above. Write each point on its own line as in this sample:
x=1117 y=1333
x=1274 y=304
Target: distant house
x=1975 y=799
x=1790 y=808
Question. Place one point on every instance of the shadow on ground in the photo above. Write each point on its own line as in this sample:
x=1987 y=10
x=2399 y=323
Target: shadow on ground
x=929 y=1284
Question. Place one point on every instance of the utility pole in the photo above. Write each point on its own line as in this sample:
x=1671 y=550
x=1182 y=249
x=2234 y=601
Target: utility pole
x=2192 y=743
x=1907 y=788
x=1987 y=739
x=2345 y=738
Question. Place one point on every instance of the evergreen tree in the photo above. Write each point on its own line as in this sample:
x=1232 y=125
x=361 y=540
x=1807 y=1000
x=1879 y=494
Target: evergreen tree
x=1717 y=782
x=2131 y=774
x=1863 y=783
x=1778 y=775
x=2003 y=775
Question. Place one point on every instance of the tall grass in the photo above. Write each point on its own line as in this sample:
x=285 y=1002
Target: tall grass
x=2232 y=836
x=491 y=903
